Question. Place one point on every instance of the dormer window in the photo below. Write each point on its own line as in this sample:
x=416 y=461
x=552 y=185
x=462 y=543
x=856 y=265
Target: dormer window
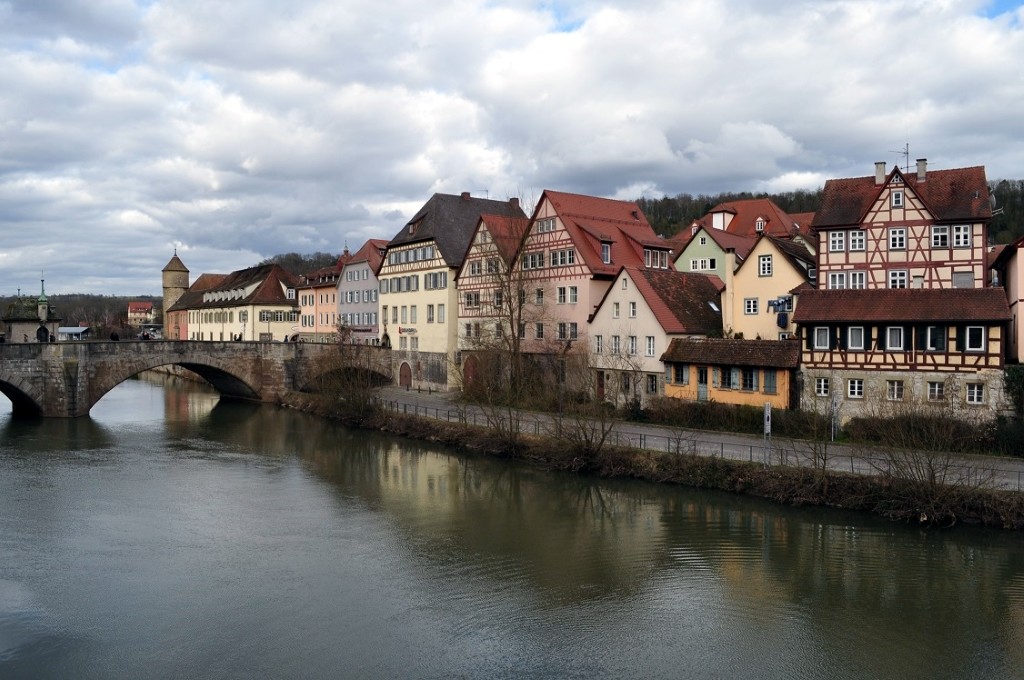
x=606 y=253
x=759 y=224
x=896 y=199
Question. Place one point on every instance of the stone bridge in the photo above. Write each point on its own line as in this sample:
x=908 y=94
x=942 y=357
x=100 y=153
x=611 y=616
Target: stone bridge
x=65 y=380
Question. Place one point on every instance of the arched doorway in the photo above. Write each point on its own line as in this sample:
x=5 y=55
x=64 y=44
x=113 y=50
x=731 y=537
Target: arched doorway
x=405 y=375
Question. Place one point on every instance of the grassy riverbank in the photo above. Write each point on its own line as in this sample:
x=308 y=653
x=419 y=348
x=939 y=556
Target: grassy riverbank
x=924 y=502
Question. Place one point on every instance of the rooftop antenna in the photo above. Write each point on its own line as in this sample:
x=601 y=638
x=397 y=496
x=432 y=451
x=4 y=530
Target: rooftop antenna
x=905 y=152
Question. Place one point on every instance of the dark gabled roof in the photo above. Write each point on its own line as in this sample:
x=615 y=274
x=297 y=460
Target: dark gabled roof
x=679 y=300
x=450 y=221
x=269 y=279
x=175 y=264
x=949 y=195
x=902 y=305
x=731 y=352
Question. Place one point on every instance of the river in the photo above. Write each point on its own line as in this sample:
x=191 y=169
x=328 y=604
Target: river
x=173 y=535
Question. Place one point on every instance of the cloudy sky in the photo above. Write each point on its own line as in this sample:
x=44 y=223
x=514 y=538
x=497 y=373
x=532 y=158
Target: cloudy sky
x=233 y=130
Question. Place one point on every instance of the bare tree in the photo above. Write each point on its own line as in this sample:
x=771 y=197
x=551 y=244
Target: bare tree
x=351 y=379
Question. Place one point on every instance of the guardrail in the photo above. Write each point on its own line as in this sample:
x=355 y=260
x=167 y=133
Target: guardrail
x=684 y=442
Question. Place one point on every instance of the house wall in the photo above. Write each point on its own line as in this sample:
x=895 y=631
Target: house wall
x=1014 y=285
x=218 y=324
x=696 y=250
x=358 y=302
x=682 y=384
x=747 y=283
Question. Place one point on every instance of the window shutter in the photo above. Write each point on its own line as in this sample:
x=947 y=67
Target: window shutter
x=668 y=373
x=809 y=337
x=714 y=377
x=942 y=334
x=686 y=374
x=919 y=339
x=833 y=340
x=756 y=372
x=842 y=334
x=961 y=344
x=735 y=382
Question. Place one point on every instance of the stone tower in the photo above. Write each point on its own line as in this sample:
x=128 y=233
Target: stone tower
x=175 y=282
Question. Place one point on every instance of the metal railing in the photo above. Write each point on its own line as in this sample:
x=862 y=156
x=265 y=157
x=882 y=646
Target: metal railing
x=685 y=442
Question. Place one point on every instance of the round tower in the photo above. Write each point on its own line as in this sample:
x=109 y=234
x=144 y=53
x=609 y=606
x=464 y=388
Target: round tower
x=175 y=283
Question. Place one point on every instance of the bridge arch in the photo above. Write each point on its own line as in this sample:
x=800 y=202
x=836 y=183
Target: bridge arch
x=24 y=400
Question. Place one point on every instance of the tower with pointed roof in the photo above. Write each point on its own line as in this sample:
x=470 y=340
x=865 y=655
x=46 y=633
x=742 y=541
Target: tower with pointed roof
x=175 y=283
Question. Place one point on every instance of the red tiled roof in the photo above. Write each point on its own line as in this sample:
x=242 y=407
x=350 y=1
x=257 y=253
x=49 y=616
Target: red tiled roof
x=369 y=252
x=741 y=245
x=949 y=195
x=731 y=352
x=508 y=233
x=902 y=304
x=591 y=221
x=140 y=307
x=270 y=280
x=679 y=300
x=746 y=213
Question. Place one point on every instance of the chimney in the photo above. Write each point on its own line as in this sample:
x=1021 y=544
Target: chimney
x=514 y=202
x=879 y=172
x=922 y=169
x=465 y=195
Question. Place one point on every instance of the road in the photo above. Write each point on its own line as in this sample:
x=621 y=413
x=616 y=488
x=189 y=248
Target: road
x=1000 y=472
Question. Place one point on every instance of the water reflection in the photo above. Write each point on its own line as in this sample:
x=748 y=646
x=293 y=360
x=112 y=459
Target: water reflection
x=562 y=575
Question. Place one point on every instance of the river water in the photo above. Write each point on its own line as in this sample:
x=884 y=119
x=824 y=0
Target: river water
x=170 y=535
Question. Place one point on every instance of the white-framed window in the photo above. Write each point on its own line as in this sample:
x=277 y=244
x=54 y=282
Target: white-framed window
x=961 y=236
x=764 y=265
x=935 y=338
x=703 y=240
x=936 y=391
x=858 y=239
x=894 y=390
x=975 y=339
x=632 y=345
x=615 y=310
x=430 y=313
x=759 y=224
x=940 y=236
x=440 y=313
x=750 y=305
x=652 y=383
x=573 y=330
x=573 y=295
x=563 y=330
x=615 y=344
x=836 y=241
x=545 y=225
x=896 y=199
x=606 y=253
x=403 y=343
x=560 y=295
x=963 y=279
x=632 y=310
x=894 y=338
x=855 y=337
x=414 y=343
x=533 y=260
x=858 y=280
x=837 y=280
x=822 y=337
x=412 y=314
x=598 y=344
x=563 y=258
x=821 y=387
x=855 y=388
x=897 y=238
x=538 y=331
x=898 y=278
x=975 y=393
x=650 y=345
x=538 y=296
x=475 y=268
x=472 y=301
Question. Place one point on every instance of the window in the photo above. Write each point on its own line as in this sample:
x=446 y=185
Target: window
x=499 y=299
x=650 y=345
x=855 y=388
x=703 y=240
x=472 y=300
x=405 y=314
x=414 y=343
x=403 y=342
x=412 y=314
x=759 y=224
x=898 y=279
x=857 y=239
x=837 y=280
x=858 y=280
x=632 y=310
x=821 y=386
x=855 y=337
x=563 y=331
x=573 y=330
x=522 y=330
x=894 y=390
x=822 y=337
x=606 y=253
x=940 y=236
x=764 y=265
x=632 y=345
x=681 y=373
x=574 y=295
x=936 y=391
x=963 y=279
x=896 y=199
x=615 y=344
x=652 y=383
x=560 y=295
x=975 y=338
x=440 y=313
x=894 y=337
x=539 y=296
x=961 y=236
x=615 y=310
x=750 y=305
x=475 y=268
x=770 y=381
x=563 y=258
x=394 y=314
x=545 y=225
x=897 y=238
x=533 y=260
x=748 y=379
x=625 y=283
x=492 y=265
x=836 y=241
x=598 y=343
x=975 y=393
x=935 y=338
x=539 y=331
